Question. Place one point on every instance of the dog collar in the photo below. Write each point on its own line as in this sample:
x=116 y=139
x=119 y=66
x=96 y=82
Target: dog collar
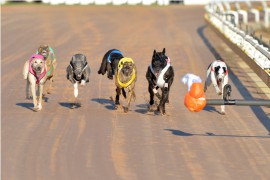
x=120 y=66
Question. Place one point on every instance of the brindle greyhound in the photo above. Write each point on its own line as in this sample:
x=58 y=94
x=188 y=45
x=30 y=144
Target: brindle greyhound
x=160 y=74
x=49 y=56
x=125 y=73
x=126 y=76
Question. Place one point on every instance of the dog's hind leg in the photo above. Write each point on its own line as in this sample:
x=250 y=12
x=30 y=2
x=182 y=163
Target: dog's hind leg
x=27 y=90
x=39 y=105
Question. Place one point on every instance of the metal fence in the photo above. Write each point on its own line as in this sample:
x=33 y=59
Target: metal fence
x=225 y=22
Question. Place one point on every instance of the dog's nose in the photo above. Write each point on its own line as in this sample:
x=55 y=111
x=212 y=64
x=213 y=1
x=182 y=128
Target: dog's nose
x=220 y=79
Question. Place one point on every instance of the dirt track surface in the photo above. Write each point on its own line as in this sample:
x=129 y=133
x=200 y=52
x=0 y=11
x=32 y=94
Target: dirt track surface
x=98 y=142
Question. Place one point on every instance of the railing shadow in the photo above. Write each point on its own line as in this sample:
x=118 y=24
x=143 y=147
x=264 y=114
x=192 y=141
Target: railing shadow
x=260 y=114
x=209 y=134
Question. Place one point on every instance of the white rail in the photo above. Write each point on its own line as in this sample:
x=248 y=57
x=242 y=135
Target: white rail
x=245 y=42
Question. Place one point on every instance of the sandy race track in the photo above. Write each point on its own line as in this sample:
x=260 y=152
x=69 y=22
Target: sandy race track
x=98 y=142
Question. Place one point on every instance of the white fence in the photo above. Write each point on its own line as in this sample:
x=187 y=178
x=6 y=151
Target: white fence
x=245 y=42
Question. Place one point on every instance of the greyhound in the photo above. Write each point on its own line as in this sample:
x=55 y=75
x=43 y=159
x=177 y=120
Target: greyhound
x=160 y=74
x=126 y=76
x=34 y=72
x=217 y=74
x=78 y=72
x=49 y=56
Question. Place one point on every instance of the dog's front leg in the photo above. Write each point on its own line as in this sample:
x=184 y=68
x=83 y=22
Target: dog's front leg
x=33 y=89
x=118 y=93
x=151 y=92
x=214 y=82
x=164 y=99
x=76 y=91
x=131 y=94
x=225 y=81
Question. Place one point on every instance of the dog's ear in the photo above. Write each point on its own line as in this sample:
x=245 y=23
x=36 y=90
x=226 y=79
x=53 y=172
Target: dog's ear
x=164 y=51
x=217 y=69
x=84 y=60
x=224 y=69
x=154 y=53
x=72 y=60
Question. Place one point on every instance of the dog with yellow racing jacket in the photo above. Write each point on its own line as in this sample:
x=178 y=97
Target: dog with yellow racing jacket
x=125 y=73
x=126 y=76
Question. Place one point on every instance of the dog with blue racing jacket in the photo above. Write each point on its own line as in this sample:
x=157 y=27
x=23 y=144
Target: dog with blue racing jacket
x=110 y=62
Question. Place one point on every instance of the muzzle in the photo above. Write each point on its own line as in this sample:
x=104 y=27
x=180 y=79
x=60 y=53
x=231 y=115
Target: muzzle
x=78 y=73
x=39 y=68
x=127 y=71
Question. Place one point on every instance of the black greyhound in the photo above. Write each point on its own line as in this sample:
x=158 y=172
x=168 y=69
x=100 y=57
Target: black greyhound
x=160 y=74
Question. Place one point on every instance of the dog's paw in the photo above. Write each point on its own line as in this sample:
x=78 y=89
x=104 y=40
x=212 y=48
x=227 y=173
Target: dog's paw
x=125 y=109
x=36 y=108
x=219 y=93
x=28 y=97
x=222 y=113
x=83 y=83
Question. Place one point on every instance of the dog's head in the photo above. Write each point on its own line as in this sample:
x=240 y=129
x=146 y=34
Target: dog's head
x=159 y=61
x=126 y=65
x=220 y=73
x=44 y=51
x=37 y=64
x=78 y=64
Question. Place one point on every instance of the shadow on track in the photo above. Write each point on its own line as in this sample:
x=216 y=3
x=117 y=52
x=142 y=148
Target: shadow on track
x=143 y=108
x=26 y=105
x=70 y=105
x=109 y=104
x=209 y=134
x=260 y=114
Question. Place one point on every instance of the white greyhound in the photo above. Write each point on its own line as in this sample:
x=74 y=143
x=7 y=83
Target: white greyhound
x=217 y=74
x=34 y=72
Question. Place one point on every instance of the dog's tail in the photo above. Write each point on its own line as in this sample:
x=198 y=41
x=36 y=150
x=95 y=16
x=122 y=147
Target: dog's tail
x=124 y=93
x=25 y=69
